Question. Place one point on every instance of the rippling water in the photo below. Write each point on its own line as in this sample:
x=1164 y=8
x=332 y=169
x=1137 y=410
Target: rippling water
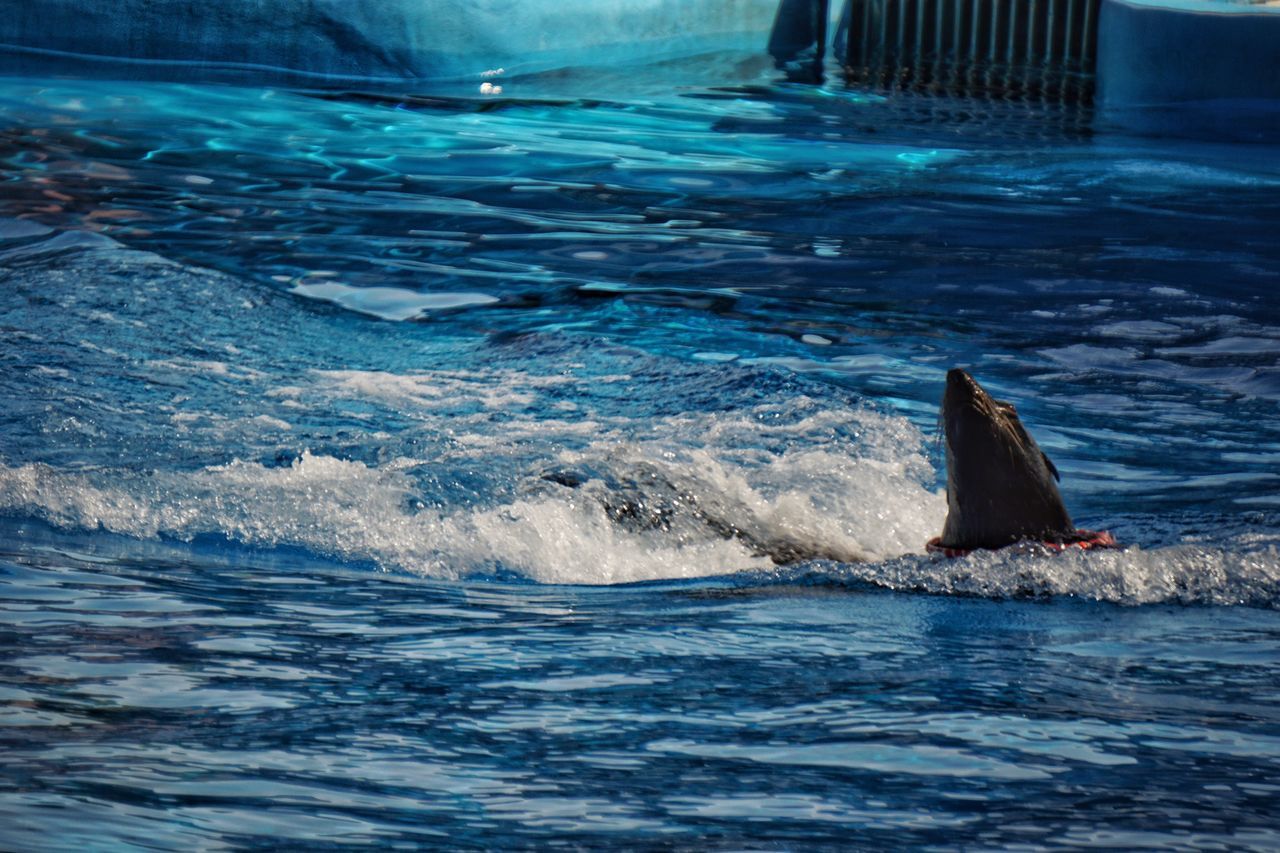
x=388 y=469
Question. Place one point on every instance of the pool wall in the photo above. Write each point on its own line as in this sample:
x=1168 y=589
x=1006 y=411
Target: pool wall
x=332 y=41
x=1149 y=52
x=1179 y=51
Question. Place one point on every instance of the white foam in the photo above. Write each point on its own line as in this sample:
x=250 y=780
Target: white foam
x=810 y=501
x=869 y=509
x=418 y=392
x=1241 y=573
x=352 y=511
x=858 y=498
x=558 y=540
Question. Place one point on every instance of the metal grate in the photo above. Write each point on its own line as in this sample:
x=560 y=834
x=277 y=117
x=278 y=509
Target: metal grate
x=1041 y=50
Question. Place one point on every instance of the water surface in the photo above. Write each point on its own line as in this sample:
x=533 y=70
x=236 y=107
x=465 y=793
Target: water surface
x=392 y=468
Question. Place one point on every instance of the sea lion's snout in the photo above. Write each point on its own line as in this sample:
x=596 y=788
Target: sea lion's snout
x=968 y=412
x=956 y=378
x=961 y=389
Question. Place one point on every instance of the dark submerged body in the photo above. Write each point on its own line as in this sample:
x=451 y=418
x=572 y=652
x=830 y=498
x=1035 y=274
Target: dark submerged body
x=1001 y=487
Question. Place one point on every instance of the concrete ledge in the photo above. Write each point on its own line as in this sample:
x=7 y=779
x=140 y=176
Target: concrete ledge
x=1162 y=52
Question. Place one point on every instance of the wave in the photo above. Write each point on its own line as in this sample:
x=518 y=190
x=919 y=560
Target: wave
x=852 y=507
x=1243 y=571
x=864 y=526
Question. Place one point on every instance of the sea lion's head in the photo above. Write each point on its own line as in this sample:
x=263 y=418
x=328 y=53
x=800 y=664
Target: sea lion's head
x=1001 y=488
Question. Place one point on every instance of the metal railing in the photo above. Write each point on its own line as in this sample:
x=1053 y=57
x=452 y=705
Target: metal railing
x=1042 y=50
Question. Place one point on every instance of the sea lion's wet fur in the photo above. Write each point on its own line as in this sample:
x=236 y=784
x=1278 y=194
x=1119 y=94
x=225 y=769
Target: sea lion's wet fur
x=1001 y=487
x=643 y=498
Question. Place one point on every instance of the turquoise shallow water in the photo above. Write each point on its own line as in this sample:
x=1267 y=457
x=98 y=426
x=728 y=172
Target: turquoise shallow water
x=369 y=463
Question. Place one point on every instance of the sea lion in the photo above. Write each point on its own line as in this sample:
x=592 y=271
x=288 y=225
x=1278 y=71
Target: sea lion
x=1001 y=487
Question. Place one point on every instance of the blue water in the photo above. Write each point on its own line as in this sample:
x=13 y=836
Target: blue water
x=387 y=470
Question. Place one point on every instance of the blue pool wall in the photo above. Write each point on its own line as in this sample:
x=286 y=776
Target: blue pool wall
x=1150 y=52
x=1187 y=51
x=343 y=41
